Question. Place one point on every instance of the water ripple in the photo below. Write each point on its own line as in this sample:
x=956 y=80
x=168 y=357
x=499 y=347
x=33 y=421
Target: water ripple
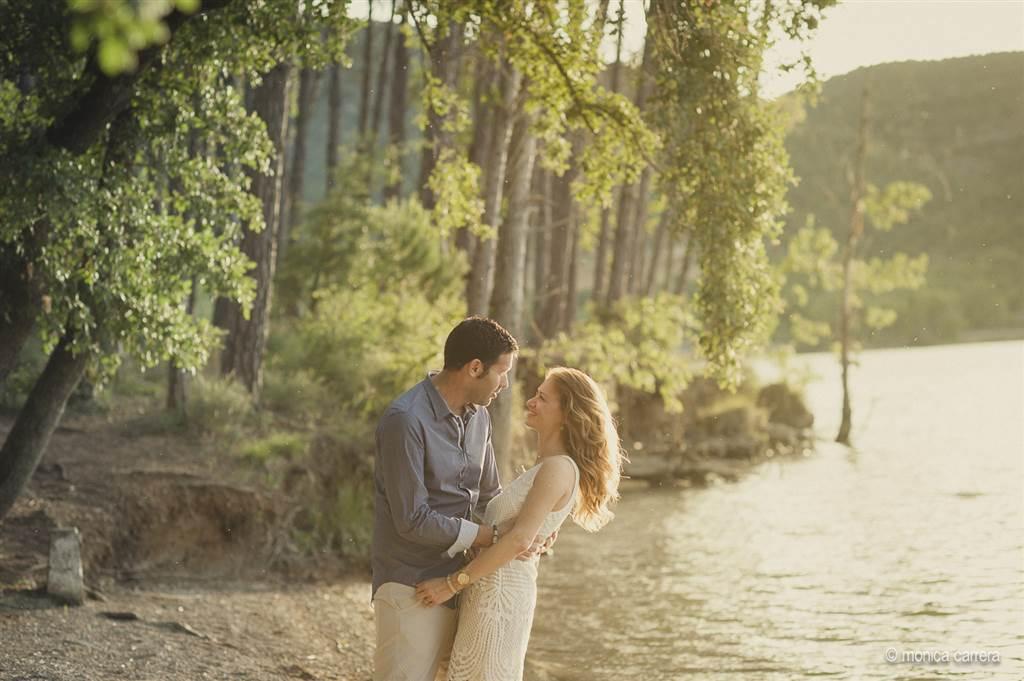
x=815 y=567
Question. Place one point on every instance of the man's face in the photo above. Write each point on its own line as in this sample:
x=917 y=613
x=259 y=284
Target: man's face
x=493 y=381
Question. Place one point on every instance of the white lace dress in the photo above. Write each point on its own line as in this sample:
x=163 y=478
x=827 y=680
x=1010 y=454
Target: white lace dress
x=496 y=612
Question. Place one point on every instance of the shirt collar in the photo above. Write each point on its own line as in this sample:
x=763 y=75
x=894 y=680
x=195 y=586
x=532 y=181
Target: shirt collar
x=437 y=403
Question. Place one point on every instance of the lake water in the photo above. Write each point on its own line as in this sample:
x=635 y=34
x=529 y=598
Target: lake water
x=909 y=546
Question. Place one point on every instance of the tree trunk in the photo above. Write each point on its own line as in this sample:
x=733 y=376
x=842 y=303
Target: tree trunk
x=629 y=232
x=652 y=266
x=222 y=314
x=396 y=115
x=309 y=83
x=556 y=285
x=601 y=259
x=26 y=442
x=246 y=339
x=177 y=380
x=569 y=309
x=333 y=124
x=364 y=100
x=622 y=255
x=670 y=263
x=483 y=115
x=284 y=211
x=647 y=82
x=637 y=245
x=21 y=299
x=446 y=63
x=601 y=255
x=378 y=95
x=510 y=270
x=481 y=277
x=540 y=251
x=233 y=169
x=486 y=73
x=510 y=273
x=857 y=192
x=688 y=256
x=640 y=233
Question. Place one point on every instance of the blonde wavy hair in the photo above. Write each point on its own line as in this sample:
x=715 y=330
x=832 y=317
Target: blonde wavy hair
x=593 y=443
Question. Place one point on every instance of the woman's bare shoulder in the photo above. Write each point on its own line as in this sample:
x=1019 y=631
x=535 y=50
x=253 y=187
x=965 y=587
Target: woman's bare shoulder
x=558 y=469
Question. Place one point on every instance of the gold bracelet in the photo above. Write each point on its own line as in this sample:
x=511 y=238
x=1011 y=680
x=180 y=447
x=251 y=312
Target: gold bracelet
x=448 y=581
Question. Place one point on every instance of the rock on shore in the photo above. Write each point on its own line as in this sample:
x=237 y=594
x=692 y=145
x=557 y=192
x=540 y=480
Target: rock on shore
x=718 y=435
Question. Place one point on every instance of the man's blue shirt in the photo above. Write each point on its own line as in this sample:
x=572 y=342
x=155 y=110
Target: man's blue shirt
x=432 y=470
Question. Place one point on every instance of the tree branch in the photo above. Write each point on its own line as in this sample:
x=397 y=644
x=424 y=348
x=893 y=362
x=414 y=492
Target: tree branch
x=86 y=120
x=583 y=106
x=419 y=31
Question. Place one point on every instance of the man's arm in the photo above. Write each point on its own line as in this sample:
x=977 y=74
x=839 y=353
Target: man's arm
x=471 y=536
x=400 y=453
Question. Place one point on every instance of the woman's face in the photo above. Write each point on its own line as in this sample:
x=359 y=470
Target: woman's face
x=543 y=410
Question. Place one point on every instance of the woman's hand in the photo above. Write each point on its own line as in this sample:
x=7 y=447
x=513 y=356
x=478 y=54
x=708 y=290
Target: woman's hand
x=433 y=592
x=540 y=547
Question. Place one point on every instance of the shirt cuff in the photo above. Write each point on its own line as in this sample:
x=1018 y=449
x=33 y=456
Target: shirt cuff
x=467 y=533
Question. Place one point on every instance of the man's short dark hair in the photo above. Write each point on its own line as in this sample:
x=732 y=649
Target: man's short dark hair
x=477 y=338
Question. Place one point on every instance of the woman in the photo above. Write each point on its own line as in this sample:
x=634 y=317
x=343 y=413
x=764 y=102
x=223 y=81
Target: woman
x=578 y=475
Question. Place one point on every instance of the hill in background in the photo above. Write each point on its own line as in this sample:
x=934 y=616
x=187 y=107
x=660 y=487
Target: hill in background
x=956 y=126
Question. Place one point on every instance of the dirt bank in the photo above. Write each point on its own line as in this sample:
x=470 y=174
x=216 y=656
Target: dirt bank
x=185 y=567
x=191 y=630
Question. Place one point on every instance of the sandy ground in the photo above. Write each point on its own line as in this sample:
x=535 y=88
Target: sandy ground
x=191 y=631
x=175 y=545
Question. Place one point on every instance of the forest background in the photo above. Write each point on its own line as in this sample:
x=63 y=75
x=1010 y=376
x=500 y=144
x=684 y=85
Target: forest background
x=260 y=221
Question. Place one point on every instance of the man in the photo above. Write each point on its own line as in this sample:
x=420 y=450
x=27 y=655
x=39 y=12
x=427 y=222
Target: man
x=435 y=470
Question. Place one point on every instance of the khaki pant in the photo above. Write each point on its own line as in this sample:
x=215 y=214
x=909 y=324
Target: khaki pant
x=414 y=642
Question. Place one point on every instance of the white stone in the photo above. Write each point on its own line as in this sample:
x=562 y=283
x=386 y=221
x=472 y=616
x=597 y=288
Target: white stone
x=65 y=578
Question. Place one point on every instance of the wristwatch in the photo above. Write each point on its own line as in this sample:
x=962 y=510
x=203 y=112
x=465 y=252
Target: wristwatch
x=462 y=579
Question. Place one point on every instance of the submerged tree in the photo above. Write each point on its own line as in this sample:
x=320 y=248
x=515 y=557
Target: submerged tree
x=815 y=261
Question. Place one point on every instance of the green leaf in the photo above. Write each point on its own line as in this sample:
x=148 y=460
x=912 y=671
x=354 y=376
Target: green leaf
x=115 y=56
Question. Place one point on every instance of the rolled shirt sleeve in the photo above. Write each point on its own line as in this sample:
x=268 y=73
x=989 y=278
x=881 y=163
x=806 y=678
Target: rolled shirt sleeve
x=467 y=533
x=400 y=458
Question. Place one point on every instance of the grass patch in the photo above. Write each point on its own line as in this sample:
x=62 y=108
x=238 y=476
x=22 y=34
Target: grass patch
x=276 y=446
x=219 y=408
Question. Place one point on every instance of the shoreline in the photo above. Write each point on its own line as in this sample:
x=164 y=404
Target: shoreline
x=171 y=540
x=193 y=629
